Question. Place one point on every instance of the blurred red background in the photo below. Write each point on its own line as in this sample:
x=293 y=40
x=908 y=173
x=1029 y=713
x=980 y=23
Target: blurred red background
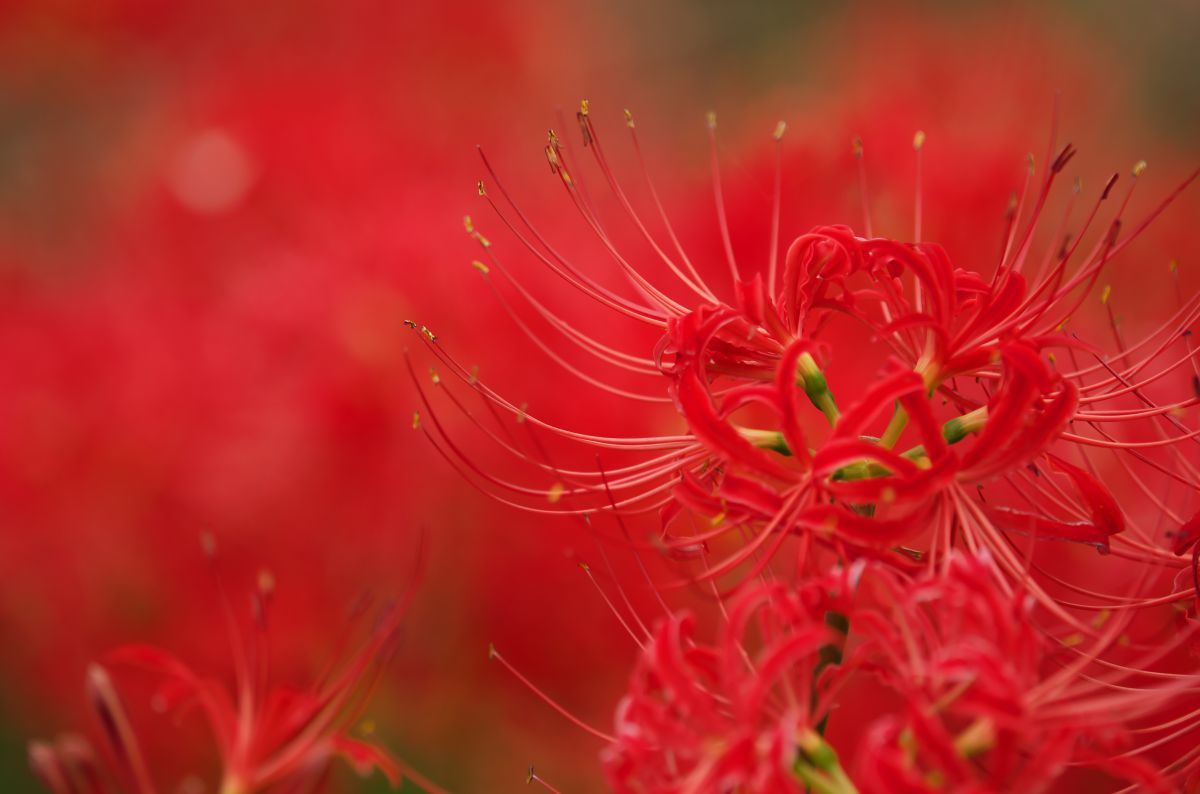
x=215 y=217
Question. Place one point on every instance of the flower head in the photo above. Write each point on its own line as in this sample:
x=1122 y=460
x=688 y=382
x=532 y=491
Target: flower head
x=744 y=713
x=975 y=416
x=269 y=737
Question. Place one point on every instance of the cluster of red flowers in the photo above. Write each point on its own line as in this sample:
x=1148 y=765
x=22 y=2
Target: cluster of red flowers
x=893 y=471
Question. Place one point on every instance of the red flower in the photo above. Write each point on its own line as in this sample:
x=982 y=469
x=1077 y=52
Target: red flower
x=742 y=714
x=269 y=737
x=991 y=702
x=969 y=432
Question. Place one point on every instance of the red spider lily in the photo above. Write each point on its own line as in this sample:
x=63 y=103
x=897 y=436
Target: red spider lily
x=993 y=704
x=983 y=698
x=971 y=433
x=270 y=738
x=743 y=714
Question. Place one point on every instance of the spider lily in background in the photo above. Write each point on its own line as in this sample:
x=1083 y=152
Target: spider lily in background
x=986 y=422
x=270 y=737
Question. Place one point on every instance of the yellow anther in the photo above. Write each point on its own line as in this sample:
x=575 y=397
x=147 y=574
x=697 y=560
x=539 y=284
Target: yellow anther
x=1173 y=265
x=1029 y=161
x=583 y=107
x=1139 y=168
x=711 y=120
x=918 y=140
x=717 y=519
x=1101 y=618
x=481 y=267
x=474 y=375
x=430 y=335
x=1072 y=640
x=434 y=376
x=555 y=493
x=480 y=188
x=780 y=129
x=628 y=118
x=479 y=238
x=416 y=423
x=1104 y=293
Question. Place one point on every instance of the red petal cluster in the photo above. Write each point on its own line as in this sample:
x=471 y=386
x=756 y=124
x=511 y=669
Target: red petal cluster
x=737 y=714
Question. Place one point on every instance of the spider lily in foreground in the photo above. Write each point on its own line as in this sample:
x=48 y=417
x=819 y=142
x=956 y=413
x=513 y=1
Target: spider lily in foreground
x=976 y=698
x=986 y=423
x=270 y=738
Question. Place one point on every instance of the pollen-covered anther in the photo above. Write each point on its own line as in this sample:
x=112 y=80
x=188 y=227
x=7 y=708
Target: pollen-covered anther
x=480 y=188
x=710 y=119
x=474 y=233
x=434 y=377
x=918 y=140
x=1104 y=293
x=430 y=335
x=555 y=493
x=416 y=420
x=1139 y=168
x=628 y=118
x=780 y=129
x=584 y=107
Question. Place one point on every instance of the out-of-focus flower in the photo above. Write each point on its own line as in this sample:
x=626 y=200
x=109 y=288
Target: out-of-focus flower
x=744 y=713
x=269 y=737
x=990 y=702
